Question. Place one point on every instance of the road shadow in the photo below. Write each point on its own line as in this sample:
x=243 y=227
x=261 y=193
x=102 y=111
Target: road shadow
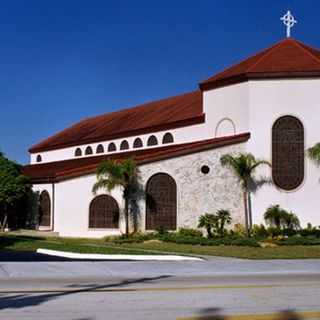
x=19 y=301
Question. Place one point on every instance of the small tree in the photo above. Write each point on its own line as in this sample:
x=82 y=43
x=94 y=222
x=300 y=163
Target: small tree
x=273 y=216
x=277 y=217
x=112 y=173
x=215 y=223
x=13 y=186
x=243 y=166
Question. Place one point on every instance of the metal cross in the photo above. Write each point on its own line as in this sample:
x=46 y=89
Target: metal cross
x=289 y=22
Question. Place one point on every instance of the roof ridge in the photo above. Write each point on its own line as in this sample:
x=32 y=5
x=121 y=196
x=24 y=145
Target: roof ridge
x=298 y=44
x=266 y=54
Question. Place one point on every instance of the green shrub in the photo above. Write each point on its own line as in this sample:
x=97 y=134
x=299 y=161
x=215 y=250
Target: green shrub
x=298 y=240
x=310 y=231
x=259 y=231
x=137 y=237
x=188 y=232
x=239 y=231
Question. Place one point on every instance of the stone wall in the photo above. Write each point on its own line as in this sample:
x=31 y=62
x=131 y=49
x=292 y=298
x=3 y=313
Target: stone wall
x=198 y=193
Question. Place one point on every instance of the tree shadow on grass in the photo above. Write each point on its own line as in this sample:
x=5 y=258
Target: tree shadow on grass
x=23 y=300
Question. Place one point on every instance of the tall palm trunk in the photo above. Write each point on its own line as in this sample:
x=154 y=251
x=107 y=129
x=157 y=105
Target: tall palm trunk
x=249 y=211
x=5 y=219
x=245 y=203
x=126 y=212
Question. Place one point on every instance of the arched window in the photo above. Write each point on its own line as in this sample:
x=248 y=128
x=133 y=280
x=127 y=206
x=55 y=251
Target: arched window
x=39 y=158
x=152 y=141
x=167 y=138
x=161 y=202
x=78 y=152
x=112 y=147
x=88 y=150
x=288 y=152
x=137 y=143
x=124 y=145
x=100 y=149
x=44 y=209
x=104 y=212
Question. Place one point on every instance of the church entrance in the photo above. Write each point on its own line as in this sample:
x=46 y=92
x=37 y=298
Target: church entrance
x=161 y=202
x=44 y=209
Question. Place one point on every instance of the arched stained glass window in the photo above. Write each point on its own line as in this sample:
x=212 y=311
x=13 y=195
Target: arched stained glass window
x=288 y=152
x=100 y=149
x=88 y=150
x=124 y=145
x=167 y=138
x=104 y=212
x=137 y=143
x=78 y=152
x=152 y=141
x=112 y=147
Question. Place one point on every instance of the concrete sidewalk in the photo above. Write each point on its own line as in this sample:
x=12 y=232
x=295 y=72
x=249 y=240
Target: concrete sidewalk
x=214 y=266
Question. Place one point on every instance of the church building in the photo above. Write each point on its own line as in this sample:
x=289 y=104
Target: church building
x=267 y=105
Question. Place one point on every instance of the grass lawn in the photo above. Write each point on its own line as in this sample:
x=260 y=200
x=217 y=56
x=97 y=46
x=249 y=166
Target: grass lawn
x=31 y=243
x=281 y=252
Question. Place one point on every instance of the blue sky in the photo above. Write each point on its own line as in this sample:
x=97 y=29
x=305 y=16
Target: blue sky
x=61 y=61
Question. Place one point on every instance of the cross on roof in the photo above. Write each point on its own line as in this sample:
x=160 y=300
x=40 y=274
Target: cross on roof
x=289 y=21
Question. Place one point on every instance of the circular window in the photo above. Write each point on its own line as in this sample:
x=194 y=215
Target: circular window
x=205 y=169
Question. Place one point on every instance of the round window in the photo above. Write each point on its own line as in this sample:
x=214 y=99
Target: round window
x=205 y=169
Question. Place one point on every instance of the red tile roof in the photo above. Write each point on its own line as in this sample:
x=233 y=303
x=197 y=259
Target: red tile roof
x=174 y=112
x=288 y=58
x=62 y=170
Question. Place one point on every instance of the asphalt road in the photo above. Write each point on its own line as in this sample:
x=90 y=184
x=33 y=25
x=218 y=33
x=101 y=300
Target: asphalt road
x=158 y=290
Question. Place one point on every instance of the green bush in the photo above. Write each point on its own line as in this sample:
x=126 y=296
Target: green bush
x=137 y=237
x=188 y=232
x=259 y=231
x=298 y=240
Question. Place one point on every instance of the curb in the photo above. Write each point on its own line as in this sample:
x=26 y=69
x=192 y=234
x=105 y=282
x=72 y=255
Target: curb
x=116 y=257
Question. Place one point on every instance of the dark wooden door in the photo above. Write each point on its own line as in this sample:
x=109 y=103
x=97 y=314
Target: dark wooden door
x=161 y=203
x=44 y=209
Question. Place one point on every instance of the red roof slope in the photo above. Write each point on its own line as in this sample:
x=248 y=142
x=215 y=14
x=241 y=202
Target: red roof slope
x=61 y=170
x=288 y=58
x=182 y=110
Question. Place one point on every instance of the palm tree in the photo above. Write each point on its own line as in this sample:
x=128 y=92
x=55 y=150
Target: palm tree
x=274 y=216
x=244 y=166
x=223 y=218
x=112 y=173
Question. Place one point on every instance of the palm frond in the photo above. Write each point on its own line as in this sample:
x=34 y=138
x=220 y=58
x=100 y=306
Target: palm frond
x=314 y=153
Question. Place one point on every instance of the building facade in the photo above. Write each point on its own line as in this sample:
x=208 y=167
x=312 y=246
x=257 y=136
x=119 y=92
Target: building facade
x=267 y=105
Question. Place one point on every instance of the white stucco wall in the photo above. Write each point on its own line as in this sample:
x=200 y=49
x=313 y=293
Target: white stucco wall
x=227 y=110
x=197 y=194
x=270 y=100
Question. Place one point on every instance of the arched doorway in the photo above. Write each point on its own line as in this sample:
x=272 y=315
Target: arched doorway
x=44 y=209
x=161 y=202
x=104 y=213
